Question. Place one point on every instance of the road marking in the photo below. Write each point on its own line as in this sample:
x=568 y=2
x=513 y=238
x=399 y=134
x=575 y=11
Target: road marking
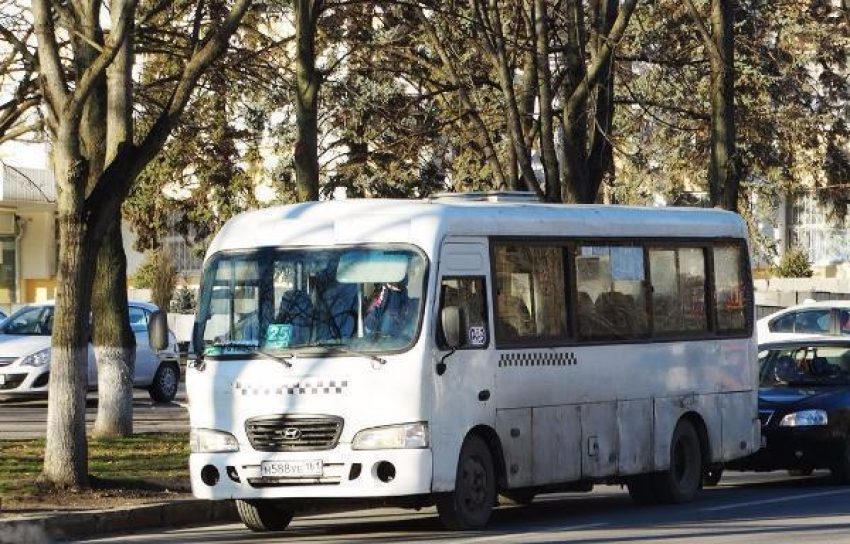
x=542 y=532
x=770 y=501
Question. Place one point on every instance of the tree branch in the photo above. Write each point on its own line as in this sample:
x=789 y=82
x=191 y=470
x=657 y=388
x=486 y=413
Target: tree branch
x=52 y=75
x=707 y=40
x=600 y=63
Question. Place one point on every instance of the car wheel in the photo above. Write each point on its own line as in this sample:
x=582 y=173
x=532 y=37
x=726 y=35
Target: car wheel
x=681 y=482
x=712 y=475
x=165 y=382
x=263 y=515
x=470 y=504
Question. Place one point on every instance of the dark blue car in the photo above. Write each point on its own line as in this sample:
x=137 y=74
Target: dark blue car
x=804 y=406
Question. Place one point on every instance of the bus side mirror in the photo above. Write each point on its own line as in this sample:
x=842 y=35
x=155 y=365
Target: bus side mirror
x=158 y=330
x=451 y=322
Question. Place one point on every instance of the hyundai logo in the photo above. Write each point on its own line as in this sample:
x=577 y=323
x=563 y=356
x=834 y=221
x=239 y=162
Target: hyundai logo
x=291 y=433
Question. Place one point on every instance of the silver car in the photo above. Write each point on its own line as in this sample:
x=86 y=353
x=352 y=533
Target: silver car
x=25 y=354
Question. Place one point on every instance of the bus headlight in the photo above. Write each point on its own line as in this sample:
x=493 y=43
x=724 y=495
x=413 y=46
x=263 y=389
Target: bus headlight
x=39 y=358
x=210 y=441
x=804 y=418
x=392 y=437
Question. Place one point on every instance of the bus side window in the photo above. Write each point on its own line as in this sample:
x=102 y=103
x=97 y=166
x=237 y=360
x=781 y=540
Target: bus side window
x=469 y=294
x=730 y=289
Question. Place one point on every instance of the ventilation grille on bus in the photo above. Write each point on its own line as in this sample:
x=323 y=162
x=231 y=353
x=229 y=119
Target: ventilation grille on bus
x=288 y=432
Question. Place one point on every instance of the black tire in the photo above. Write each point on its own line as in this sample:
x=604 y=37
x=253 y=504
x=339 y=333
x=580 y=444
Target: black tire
x=523 y=497
x=841 y=468
x=165 y=382
x=641 y=489
x=681 y=482
x=263 y=515
x=469 y=506
x=712 y=475
x=800 y=472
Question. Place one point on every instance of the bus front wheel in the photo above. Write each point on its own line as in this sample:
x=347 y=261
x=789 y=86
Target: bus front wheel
x=470 y=504
x=263 y=515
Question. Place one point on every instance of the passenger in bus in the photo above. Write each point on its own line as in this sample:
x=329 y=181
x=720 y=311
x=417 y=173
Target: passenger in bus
x=296 y=309
x=336 y=307
x=388 y=311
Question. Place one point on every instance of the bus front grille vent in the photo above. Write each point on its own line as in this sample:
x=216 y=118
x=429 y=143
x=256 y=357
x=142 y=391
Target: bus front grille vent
x=293 y=432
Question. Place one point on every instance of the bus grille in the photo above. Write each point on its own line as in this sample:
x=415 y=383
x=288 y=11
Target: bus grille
x=287 y=432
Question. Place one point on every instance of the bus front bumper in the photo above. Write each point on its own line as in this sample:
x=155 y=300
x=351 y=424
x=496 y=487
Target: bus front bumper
x=345 y=473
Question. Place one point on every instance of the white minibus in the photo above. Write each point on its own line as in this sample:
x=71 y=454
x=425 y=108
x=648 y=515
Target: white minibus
x=449 y=350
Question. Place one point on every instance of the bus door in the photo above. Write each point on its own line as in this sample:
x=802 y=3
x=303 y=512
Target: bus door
x=464 y=379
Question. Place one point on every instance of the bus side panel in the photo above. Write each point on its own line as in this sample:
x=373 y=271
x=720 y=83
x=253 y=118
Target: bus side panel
x=599 y=439
x=635 y=424
x=514 y=430
x=738 y=436
x=557 y=444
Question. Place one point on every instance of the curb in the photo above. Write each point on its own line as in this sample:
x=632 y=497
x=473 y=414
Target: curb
x=66 y=526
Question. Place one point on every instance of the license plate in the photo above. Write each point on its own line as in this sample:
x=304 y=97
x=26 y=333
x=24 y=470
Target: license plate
x=291 y=469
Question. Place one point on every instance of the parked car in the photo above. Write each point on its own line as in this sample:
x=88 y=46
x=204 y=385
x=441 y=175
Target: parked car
x=826 y=318
x=25 y=354
x=804 y=407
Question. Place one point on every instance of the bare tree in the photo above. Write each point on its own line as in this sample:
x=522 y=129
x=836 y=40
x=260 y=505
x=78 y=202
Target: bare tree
x=91 y=185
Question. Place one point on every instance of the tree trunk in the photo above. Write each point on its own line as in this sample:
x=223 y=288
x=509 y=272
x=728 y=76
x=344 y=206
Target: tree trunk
x=548 y=153
x=308 y=81
x=723 y=173
x=601 y=158
x=114 y=341
x=66 y=449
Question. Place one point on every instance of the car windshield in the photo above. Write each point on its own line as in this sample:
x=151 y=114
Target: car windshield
x=31 y=320
x=363 y=299
x=805 y=365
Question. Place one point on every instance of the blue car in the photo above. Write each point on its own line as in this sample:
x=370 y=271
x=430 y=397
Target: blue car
x=804 y=407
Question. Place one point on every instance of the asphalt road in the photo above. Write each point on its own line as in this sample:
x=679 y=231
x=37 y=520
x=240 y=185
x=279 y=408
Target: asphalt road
x=746 y=508
x=28 y=418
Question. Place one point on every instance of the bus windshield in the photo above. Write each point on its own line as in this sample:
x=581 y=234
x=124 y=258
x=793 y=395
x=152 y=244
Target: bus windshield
x=361 y=299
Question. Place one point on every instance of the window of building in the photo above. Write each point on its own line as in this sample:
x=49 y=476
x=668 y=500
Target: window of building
x=610 y=283
x=678 y=290
x=530 y=299
x=730 y=288
x=468 y=294
x=8 y=283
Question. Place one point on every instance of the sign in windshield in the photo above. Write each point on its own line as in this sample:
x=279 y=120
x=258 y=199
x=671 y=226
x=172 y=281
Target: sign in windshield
x=363 y=299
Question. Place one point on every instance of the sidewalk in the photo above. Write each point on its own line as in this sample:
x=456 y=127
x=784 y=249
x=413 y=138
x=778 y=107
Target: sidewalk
x=45 y=528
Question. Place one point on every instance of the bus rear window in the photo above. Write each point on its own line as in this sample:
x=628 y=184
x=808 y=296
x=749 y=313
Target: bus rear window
x=729 y=288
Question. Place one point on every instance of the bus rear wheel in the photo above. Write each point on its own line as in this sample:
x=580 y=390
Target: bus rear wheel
x=263 y=515
x=681 y=482
x=470 y=504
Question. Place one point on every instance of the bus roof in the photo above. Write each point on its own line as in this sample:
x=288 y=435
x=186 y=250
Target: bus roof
x=425 y=222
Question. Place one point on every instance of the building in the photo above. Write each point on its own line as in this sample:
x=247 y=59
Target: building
x=28 y=235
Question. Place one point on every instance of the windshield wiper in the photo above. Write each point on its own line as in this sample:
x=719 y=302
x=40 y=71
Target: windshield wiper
x=285 y=359
x=349 y=351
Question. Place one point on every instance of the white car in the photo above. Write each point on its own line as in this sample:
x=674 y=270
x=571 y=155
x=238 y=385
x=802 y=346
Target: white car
x=25 y=354
x=825 y=318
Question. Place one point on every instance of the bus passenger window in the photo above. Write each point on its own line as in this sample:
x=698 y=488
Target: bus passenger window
x=530 y=297
x=611 y=285
x=678 y=290
x=730 y=299
x=469 y=294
